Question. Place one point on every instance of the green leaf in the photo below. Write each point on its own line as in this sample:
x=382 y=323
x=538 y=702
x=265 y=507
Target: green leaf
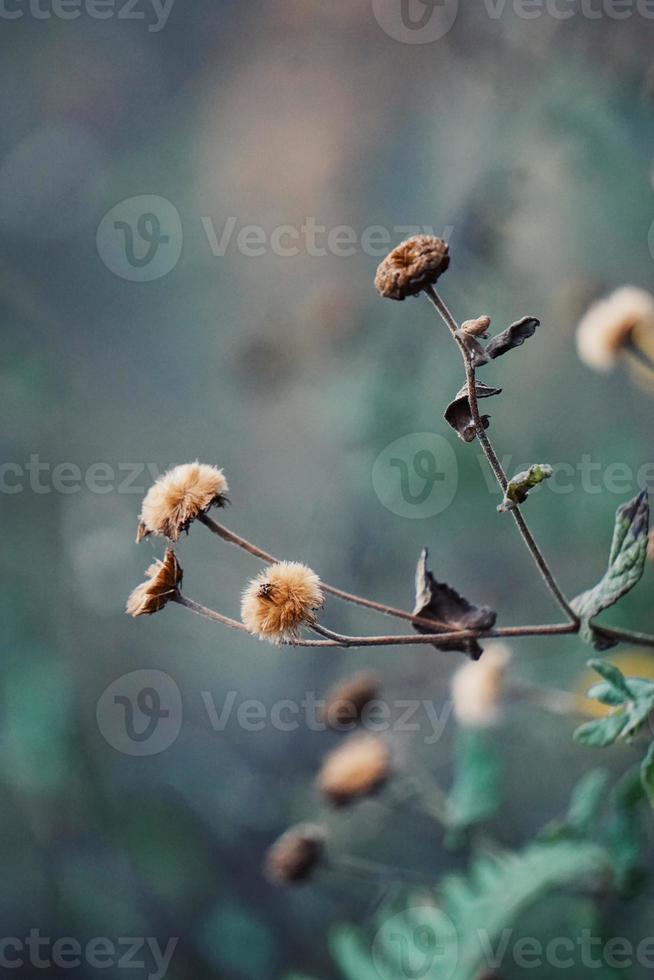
x=602 y=732
x=626 y=563
x=350 y=950
x=613 y=677
x=647 y=774
x=624 y=836
x=586 y=800
x=475 y=794
x=519 y=486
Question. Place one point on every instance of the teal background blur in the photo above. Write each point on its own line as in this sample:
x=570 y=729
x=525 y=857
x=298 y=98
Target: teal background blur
x=528 y=142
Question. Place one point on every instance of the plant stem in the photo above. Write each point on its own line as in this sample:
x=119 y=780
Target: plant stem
x=361 y=866
x=626 y=636
x=494 y=462
x=222 y=532
x=340 y=641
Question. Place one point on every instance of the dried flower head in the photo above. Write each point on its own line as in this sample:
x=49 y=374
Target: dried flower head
x=359 y=767
x=179 y=497
x=609 y=324
x=163 y=579
x=347 y=701
x=415 y=263
x=476 y=688
x=280 y=600
x=295 y=855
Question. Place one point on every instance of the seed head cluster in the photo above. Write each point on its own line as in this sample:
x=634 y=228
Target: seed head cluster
x=413 y=264
x=280 y=601
x=179 y=497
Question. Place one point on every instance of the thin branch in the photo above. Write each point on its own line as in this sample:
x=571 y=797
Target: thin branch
x=494 y=462
x=625 y=636
x=222 y=532
x=338 y=640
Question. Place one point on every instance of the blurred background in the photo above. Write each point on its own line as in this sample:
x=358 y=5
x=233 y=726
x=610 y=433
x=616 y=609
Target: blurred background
x=193 y=202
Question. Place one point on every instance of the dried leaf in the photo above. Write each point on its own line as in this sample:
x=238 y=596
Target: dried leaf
x=513 y=336
x=435 y=600
x=474 y=350
x=626 y=563
x=520 y=485
x=458 y=413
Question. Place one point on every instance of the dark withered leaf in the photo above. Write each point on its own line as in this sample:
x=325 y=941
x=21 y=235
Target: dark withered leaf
x=474 y=350
x=458 y=414
x=438 y=601
x=513 y=336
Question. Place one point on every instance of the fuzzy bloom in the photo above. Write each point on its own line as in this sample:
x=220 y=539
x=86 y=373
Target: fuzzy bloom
x=280 y=600
x=295 y=855
x=179 y=497
x=357 y=768
x=163 y=579
x=415 y=263
x=609 y=324
x=477 y=688
x=347 y=701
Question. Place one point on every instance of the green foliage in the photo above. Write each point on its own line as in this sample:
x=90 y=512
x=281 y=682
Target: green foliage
x=498 y=887
x=626 y=563
x=632 y=700
x=647 y=774
x=475 y=793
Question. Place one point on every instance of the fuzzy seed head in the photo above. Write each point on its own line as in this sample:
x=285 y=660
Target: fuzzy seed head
x=347 y=701
x=477 y=688
x=179 y=497
x=295 y=855
x=609 y=324
x=359 y=767
x=415 y=263
x=280 y=600
x=163 y=579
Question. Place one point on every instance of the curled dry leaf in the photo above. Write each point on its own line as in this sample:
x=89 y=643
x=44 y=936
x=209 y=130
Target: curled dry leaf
x=513 y=336
x=519 y=486
x=438 y=601
x=459 y=415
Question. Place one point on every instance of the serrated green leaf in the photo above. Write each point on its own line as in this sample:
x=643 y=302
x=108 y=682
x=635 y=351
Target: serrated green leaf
x=602 y=732
x=647 y=774
x=626 y=563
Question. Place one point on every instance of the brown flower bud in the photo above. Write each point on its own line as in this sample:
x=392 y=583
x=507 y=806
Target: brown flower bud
x=346 y=702
x=356 y=769
x=478 y=327
x=163 y=579
x=415 y=263
x=295 y=855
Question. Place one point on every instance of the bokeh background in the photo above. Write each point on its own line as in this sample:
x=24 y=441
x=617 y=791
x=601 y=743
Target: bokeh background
x=528 y=143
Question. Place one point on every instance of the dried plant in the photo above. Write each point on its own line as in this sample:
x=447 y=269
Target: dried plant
x=283 y=602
